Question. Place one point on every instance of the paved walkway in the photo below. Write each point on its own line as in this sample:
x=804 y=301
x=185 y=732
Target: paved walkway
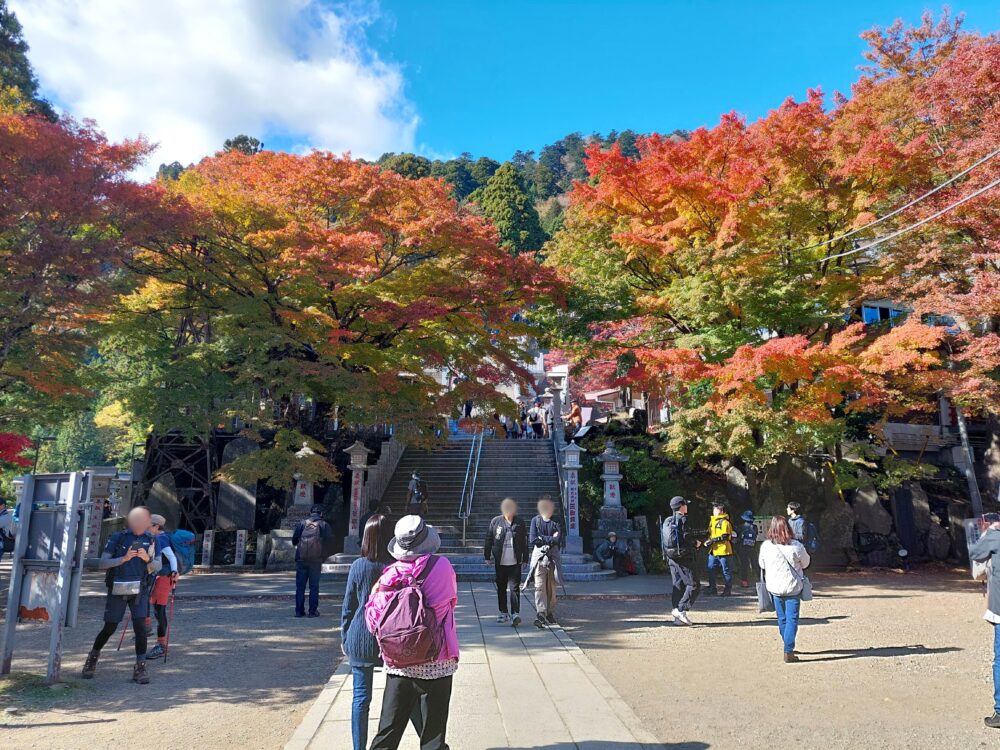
x=525 y=688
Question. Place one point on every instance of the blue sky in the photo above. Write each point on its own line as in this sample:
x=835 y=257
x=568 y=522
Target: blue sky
x=491 y=77
x=438 y=76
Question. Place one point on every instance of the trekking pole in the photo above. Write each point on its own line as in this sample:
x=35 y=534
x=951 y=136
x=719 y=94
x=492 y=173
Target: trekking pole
x=124 y=628
x=170 y=619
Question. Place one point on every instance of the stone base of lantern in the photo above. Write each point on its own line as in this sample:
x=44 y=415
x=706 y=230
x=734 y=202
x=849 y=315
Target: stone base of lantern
x=616 y=519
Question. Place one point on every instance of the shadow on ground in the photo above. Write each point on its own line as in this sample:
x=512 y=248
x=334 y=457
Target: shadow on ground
x=874 y=652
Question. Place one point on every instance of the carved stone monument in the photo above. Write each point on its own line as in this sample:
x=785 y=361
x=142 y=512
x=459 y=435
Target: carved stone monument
x=237 y=504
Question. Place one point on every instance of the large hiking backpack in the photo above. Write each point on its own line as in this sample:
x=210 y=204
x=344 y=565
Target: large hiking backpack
x=183 y=543
x=408 y=632
x=311 y=542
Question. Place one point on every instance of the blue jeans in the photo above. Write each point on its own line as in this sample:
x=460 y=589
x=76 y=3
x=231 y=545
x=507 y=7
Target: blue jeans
x=787 y=609
x=724 y=562
x=364 y=678
x=307 y=572
x=996 y=668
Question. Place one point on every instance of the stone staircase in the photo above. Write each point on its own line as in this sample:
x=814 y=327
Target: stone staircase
x=522 y=469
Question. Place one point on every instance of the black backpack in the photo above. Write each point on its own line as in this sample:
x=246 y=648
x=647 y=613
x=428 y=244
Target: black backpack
x=311 y=542
x=670 y=542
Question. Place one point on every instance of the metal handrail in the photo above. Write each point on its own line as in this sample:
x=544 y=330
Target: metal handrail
x=468 y=473
x=466 y=508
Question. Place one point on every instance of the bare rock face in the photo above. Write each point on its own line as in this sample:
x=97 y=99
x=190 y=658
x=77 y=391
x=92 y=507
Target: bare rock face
x=165 y=500
x=938 y=542
x=870 y=516
x=737 y=488
x=921 y=508
x=836 y=534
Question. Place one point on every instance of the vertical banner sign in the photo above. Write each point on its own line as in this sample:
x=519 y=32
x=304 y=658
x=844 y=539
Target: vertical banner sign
x=357 y=483
x=573 y=496
x=207 y=542
x=303 y=493
x=241 y=548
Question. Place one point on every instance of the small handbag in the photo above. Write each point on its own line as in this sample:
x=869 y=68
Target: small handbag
x=806 y=594
x=764 y=601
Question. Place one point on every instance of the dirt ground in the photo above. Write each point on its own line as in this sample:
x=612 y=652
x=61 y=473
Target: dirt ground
x=888 y=661
x=241 y=673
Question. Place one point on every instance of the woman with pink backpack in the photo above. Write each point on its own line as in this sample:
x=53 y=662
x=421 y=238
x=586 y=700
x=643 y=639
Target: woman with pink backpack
x=411 y=612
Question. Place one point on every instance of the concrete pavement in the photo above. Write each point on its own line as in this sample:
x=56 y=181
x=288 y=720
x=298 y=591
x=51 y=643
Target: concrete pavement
x=524 y=688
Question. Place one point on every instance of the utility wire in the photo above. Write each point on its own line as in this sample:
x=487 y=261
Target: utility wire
x=911 y=227
x=902 y=208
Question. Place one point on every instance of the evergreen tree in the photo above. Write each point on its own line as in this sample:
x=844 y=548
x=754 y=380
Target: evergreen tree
x=408 y=165
x=15 y=69
x=506 y=202
x=245 y=143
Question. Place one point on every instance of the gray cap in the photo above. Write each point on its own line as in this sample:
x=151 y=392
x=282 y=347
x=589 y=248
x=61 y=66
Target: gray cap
x=676 y=502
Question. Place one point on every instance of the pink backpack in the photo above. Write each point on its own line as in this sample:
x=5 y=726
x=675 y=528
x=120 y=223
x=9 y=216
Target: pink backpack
x=408 y=632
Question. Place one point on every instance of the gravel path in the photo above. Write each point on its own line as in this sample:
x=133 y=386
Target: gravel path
x=889 y=661
x=241 y=673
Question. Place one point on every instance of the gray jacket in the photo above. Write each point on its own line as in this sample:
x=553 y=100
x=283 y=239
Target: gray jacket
x=988 y=548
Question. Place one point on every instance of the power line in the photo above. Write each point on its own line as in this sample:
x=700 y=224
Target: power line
x=911 y=227
x=902 y=208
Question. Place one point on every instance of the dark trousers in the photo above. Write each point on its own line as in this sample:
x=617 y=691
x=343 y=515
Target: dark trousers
x=307 y=572
x=138 y=628
x=745 y=555
x=402 y=695
x=686 y=585
x=509 y=576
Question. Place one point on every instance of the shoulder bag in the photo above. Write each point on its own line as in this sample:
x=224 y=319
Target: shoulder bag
x=807 y=589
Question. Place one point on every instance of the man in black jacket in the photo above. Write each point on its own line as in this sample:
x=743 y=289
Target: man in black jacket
x=678 y=550
x=506 y=547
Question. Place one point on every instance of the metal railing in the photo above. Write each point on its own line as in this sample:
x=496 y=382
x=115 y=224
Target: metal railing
x=469 y=486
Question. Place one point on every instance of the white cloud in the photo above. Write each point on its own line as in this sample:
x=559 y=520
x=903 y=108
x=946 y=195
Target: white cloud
x=190 y=73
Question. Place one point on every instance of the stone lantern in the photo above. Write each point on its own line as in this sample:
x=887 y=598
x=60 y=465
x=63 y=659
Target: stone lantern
x=359 y=464
x=571 y=492
x=303 y=489
x=614 y=516
x=612 y=461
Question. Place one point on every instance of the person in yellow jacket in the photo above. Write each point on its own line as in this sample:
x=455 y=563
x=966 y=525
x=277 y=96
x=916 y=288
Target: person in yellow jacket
x=720 y=549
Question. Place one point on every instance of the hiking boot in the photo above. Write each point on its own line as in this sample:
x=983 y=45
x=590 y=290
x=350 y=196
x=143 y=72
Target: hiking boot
x=790 y=658
x=156 y=652
x=515 y=621
x=90 y=666
x=139 y=673
x=314 y=614
x=540 y=622
x=993 y=722
x=551 y=619
x=503 y=618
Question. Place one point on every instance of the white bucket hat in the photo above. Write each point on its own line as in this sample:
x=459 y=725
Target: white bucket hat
x=413 y=539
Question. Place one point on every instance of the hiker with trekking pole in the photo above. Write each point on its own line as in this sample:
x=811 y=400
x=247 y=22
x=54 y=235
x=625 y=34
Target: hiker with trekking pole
x=545 y=540
x=130 y=559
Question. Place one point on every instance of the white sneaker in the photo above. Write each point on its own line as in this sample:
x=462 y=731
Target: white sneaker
x=685 y=619
x=676 y=614
x=502 y=618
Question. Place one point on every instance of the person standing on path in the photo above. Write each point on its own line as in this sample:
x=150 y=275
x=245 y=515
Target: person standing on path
x=783 y=560
x=746 y=543
x=130 y=557
x=163 y=585
x=506 y=547
x=357 y=642
x=987 y=550
x=309 y=540
x=426 y=685
x=678 y=550
x=545 y=540
x=720 y=549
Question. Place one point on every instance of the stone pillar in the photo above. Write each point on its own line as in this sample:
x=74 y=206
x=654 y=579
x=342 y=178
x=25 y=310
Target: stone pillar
x=240 y=556
x=207 y=547
x=571 y=494
x=359 y=463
